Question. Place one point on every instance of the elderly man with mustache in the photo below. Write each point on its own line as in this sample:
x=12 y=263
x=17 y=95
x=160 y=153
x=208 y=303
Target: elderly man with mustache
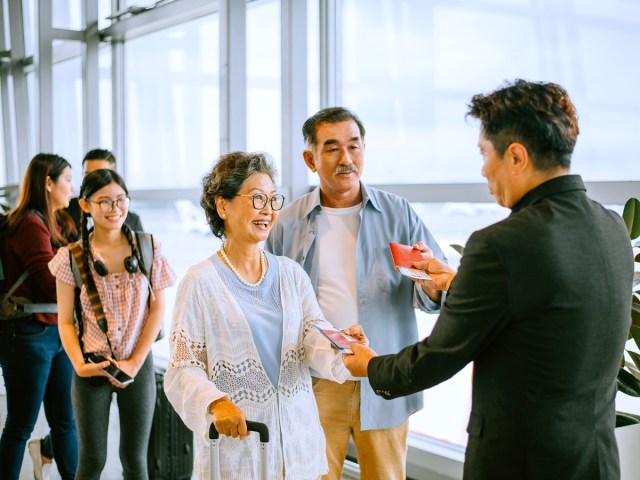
x=340 y=234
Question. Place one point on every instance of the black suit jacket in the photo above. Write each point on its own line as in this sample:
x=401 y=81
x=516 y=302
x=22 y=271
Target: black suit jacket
x=541 y=304
x=133 y=220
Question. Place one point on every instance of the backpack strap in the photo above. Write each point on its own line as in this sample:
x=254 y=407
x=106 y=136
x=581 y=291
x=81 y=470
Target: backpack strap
x=28 y=307
x=92 y=291
x=145 y=244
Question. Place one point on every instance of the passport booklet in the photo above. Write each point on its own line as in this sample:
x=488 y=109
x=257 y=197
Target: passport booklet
x=341 y=341
x=403 y=258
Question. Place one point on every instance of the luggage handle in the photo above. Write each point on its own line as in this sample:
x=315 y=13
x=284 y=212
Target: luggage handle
x=214 y=451
x=258 y=427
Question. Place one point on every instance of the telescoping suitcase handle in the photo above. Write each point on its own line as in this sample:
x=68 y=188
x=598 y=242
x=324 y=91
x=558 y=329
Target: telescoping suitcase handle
x=214 y=448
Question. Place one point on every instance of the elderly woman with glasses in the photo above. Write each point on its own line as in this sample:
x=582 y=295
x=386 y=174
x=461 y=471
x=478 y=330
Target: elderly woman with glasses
x=243 y=336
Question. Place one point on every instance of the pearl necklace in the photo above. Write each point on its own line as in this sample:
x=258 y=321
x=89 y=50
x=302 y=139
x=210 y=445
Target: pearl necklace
x=263 y=268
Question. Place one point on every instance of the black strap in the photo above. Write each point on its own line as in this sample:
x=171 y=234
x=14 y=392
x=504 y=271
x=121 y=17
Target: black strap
x=92 y=292
x=77 y=306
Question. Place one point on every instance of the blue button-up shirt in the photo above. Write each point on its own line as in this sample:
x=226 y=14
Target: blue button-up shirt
x=386 y=299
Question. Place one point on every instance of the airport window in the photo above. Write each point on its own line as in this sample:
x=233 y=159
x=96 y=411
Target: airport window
x=172 y=105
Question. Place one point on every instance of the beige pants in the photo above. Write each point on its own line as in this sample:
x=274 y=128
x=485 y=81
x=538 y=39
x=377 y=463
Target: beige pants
x=382 y=454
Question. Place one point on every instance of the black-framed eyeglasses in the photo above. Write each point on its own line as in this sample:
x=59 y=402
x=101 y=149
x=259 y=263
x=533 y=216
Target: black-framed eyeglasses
x=106 y=205
x=260 y=200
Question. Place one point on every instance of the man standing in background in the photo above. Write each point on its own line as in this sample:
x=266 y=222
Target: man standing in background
x=340 y=234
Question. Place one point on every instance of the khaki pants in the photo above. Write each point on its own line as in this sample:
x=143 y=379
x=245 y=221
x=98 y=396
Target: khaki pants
x=381 y=454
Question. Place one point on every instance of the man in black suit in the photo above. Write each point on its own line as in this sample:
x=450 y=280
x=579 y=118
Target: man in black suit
x=540 y=303
x=95 y=160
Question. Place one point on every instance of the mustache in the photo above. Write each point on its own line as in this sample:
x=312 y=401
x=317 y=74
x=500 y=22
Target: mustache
x=346 y=169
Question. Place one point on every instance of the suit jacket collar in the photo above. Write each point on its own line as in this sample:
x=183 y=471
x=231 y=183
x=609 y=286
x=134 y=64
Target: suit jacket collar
x=561 y=184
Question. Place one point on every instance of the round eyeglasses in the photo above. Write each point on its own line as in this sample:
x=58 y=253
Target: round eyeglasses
x=106 y=205
x=260 y=200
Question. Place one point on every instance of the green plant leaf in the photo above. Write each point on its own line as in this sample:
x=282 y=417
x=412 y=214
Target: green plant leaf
x=628 y=384
x=457 y=248
x=634 y=333
x=636 y=360
x=635 y=311
x=637 y=258
x=623 y=419
x=631 y=217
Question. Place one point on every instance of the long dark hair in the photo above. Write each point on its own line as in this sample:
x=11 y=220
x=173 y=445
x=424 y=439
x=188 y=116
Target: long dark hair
x=34 y=196
x=93 y=182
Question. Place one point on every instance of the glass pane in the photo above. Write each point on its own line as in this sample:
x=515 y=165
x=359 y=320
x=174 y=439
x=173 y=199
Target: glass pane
x=67 y=14
x=425 y=60
x=176 y=224
x=447 y=406
x=28 y=12
x=67 y=114
x=105 y=102
x=313 y=56
x=264 y=131
x=172 y=105
x=104 y=11
x=140 y=3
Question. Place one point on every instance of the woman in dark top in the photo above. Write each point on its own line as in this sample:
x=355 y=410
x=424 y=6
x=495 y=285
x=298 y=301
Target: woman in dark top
x=35 y=367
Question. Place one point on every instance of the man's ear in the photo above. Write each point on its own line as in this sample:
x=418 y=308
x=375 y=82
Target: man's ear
x=309 y=160
x=518 y=157
x=84 y=205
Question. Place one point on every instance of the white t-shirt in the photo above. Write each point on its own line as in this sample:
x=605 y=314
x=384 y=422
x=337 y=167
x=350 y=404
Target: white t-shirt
x=336 y=243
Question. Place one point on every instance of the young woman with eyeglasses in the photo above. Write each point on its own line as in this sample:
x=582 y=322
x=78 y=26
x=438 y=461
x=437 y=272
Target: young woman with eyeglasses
x=133 y=313
x=242 y=338
x=35 y=368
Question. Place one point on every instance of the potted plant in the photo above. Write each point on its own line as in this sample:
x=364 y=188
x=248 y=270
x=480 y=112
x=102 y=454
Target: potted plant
x=629 y=374
x=628 y=433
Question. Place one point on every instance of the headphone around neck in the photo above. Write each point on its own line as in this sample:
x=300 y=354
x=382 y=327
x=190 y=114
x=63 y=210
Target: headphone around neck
x=130 y=262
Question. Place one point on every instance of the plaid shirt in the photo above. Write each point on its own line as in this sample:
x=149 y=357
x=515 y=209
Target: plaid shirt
x=124 y=301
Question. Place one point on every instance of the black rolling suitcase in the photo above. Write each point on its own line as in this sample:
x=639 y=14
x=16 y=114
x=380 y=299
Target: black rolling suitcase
x=170 y=453
x=214 y=448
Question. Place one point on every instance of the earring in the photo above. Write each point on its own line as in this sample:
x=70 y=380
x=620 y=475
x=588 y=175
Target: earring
x=223 y=216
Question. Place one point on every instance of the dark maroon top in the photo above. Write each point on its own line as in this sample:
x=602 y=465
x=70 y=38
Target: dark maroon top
x=29 y=248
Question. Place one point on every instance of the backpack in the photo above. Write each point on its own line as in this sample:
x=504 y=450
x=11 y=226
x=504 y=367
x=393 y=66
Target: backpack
x=11 y=306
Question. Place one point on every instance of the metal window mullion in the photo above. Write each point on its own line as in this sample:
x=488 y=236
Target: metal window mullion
x=44 y=76
x=233 y=76
x=294 y=95
x=9 y=164
x=118 y=104
x=22 y=127
x=91 y=77
x=330 y=53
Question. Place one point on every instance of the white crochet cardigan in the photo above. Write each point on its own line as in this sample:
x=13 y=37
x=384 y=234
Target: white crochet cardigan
x=213 y=355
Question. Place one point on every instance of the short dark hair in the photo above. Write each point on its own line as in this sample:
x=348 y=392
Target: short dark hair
x=99 y=154
x=328 y=115
x=225 y=180
x=538 y=115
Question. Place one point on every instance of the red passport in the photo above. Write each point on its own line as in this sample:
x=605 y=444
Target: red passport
x=404 y=257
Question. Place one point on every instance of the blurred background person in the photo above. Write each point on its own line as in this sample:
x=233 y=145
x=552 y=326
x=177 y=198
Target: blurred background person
x=35 y=367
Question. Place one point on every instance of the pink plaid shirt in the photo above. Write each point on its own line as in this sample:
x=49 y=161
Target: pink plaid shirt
x=124 y=301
